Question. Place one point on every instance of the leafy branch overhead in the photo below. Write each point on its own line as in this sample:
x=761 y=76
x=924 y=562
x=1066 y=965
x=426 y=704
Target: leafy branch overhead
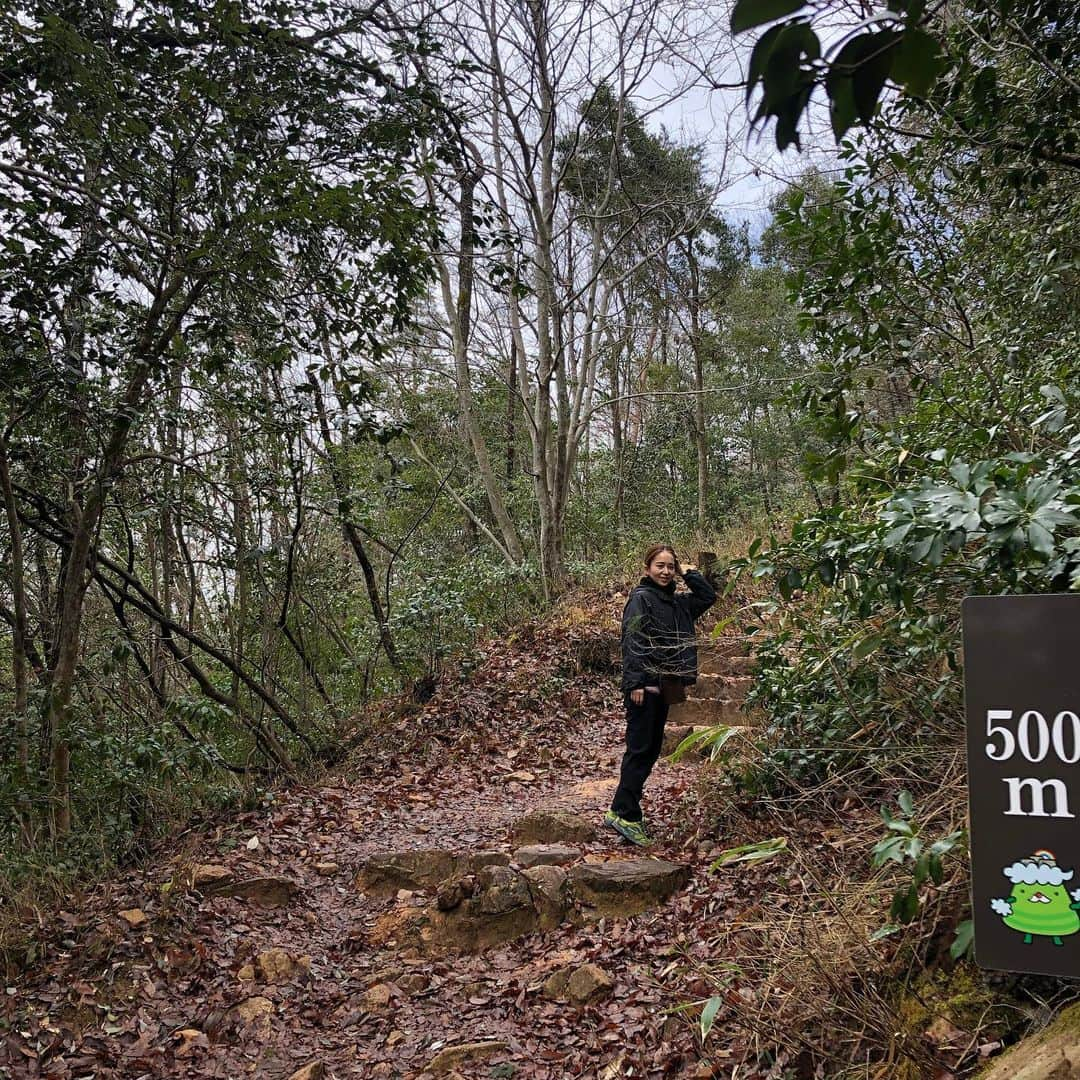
x=789 y=62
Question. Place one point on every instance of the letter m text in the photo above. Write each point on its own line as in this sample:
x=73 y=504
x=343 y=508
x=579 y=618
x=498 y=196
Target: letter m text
x=1038 y=792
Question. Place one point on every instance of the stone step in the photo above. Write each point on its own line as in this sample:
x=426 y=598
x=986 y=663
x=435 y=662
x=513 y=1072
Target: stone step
x=715 y=663
x=625 y=887
x=726 y=646
x=498 y=904
x=711 y=713
x=385 y=872
x=728 y=687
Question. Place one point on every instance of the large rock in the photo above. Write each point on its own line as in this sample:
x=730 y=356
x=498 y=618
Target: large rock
x=1051 y=1054
x=550 y=895
x=476 y=861
x=384 y=873
x=388 y=871
x=546 y=855
x=277 y=966
x=254 y=1011
x=500 y=910
x=267 y=891
x=722 y=687
x=495 y=906
x=577 y=984
x=702 y=712
x=715 y=662
x=625 y=886
x=553 y=826
x=453 y=1056
x=673 y=735
x=499 y=890
x=208 y=876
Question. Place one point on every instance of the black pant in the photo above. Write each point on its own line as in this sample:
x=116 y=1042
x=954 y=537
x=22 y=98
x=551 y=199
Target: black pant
x=644 y=738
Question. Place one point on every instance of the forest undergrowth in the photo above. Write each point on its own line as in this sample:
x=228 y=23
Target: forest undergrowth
x=784 y=958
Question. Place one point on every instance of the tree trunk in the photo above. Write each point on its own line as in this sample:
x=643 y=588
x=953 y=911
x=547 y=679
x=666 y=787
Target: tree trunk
x=459 y=315
x=700 y=432
x=20 y=640
x=352 y=535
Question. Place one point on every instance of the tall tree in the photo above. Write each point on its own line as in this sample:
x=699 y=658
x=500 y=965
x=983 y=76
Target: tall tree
x=171 y=172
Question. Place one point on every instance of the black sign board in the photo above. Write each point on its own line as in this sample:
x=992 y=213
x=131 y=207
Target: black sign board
x=1022 y=684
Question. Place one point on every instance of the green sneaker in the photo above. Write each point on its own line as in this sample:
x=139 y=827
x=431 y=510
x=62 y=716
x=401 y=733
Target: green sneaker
x=633 y=831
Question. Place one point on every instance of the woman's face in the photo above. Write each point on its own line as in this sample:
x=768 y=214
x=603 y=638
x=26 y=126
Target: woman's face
x=662 y=569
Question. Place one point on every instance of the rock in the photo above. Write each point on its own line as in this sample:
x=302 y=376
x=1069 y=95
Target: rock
x=454 y=892
x=315 y=1071
x=246 y=973
x=501 y=890
x=547 y=885
x=133 y=916
x=578 y=984
x=625 y=886
x=472 y=914
x=587 y=983
x=254 y=1010
x=1050 y=1054
x=522 y=776
x=326 y=869
x=546 y=855
x=673 y=735
x=383 y=874
x=277 y=966
x=501 y=909
x=554 y=988
x=377 y=997
x=477 y=860
x=707 y=713
x=552 y=826
x=271 y=892
x=453 y=1056
x=400 y=926
x=208 y=876
x=413 y=984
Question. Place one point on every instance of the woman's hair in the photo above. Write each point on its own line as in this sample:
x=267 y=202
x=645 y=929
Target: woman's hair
x=655 y=550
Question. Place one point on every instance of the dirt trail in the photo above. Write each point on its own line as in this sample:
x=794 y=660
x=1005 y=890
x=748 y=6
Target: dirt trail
x=161 y=998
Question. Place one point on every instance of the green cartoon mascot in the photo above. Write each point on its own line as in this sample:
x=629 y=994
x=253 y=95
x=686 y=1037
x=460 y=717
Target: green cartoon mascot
x=1039 y=902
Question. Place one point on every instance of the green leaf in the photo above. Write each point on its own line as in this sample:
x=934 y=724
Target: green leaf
x=1041 y=539
x=872 y=71
x=869 y=644
x=759 y=58
x=905 y=904
x=907 y=802
x=751 y=853
x=842 y=112
x=894 y=536
x=917 y=62
x=750 y=13
x=885 y=931
x=965 y=937
x=708 y=1016
x=713 y=738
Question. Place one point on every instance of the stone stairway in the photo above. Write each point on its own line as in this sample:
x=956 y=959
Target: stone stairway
x=725 y=677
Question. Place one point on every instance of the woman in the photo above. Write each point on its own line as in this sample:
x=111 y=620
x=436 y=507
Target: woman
x=659 y=660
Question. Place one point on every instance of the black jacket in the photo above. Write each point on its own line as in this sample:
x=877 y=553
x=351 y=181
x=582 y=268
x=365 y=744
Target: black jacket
x=658 y=631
